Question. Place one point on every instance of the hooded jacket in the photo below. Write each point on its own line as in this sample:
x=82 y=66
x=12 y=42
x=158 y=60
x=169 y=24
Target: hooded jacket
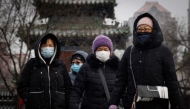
x=45 y=84
x=74 y=74
x=88 y=80
x=153 y=65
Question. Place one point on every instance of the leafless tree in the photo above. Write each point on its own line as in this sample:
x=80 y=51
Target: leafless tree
x=178 y=40
x=17 y=18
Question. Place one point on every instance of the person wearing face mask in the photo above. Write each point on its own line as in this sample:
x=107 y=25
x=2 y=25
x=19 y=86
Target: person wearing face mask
x=77 y=60
x=88 y=80
x=147 y=62
x=44 y=82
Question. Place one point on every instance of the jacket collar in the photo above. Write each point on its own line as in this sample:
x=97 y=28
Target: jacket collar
x=94 y=62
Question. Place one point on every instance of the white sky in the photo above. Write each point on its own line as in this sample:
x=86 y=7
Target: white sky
x=126 y=8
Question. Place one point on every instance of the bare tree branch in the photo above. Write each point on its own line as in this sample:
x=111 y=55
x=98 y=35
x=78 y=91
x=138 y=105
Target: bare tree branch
x=5 y=82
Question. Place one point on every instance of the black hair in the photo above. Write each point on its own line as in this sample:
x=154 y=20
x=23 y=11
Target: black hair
x=44 y=40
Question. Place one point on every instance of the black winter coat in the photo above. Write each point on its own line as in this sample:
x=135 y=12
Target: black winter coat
x=45 y=85
x=88 y=81
x=152 y=64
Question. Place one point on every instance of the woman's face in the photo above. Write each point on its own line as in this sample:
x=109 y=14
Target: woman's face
x=103 y=53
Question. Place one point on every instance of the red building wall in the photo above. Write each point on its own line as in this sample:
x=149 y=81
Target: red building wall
x=65 y=57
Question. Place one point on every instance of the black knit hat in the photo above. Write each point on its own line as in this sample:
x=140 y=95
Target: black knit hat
x=79 y=57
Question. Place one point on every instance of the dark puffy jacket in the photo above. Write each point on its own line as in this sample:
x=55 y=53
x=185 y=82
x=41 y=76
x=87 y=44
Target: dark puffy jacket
x=43 y=85
x=88 y=80
x=152 y=64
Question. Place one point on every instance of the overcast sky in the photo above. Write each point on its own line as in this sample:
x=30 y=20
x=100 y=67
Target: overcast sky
x=126 y=8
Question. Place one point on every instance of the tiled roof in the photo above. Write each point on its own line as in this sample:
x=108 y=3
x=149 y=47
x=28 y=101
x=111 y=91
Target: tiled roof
x=148 y=5
x=79 y=1
x=82 y=33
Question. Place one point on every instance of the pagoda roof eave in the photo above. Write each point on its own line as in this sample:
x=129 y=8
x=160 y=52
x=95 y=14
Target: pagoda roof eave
x=82 y=32
x=79 y=2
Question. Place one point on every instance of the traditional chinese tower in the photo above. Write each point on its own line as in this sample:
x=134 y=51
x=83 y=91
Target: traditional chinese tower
x=77 y=22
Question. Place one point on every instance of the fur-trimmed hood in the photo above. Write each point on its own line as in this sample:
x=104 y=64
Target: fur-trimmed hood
x=95 y=63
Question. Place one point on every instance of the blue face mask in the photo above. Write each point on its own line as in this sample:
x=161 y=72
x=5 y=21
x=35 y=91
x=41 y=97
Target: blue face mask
x=76 y=67
x=143 y=38
x=47 y=52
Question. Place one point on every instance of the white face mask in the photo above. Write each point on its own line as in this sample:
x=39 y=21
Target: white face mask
x=103 y=55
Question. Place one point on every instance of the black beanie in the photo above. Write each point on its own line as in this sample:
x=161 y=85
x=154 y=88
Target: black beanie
x=79 y=57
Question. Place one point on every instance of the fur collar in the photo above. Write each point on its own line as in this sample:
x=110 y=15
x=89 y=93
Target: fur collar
x=113 y=62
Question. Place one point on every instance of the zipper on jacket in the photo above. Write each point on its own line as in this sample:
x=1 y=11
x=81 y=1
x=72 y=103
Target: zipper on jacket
x=49 y=85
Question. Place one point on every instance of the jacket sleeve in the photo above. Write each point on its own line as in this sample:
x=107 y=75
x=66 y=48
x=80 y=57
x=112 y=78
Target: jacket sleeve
x=171 y=79
x=121 y=80
x=67 y=83
x=78 y=88
x=23 y=84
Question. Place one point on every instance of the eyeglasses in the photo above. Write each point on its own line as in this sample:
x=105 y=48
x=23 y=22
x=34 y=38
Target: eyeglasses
x=144 y=28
